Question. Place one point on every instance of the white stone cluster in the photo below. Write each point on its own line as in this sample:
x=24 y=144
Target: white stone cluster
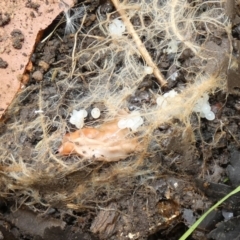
x=77 y=118
x=203 y=107
x=133 y=121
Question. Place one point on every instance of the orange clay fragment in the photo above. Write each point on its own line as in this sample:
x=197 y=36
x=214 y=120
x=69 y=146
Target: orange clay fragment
x=106 y=143
x=30 y=22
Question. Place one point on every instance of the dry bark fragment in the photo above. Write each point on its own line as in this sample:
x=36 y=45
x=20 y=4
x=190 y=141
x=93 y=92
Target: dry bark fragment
x=105 y=222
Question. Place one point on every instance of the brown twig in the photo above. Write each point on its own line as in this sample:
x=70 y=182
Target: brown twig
x=143 y=51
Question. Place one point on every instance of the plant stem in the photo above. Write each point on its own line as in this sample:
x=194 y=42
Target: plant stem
x=195 y=225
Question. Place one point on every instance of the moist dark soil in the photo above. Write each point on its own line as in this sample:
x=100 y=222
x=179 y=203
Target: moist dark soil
x=189 y=178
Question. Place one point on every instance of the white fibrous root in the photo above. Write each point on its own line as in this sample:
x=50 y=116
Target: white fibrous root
x=95 y=113
x=133 y=121
x=203 y=107
x=116 y=28
x=162 y=100
x=77 y=118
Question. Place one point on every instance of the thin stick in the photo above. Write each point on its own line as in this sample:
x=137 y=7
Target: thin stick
x=143 y=51
x=75 y=45
x=47 y=37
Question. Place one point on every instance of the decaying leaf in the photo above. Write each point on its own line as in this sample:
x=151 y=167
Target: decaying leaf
x=105 y=143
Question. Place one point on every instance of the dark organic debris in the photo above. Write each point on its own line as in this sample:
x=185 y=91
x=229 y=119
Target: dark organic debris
x=217 y=191
x=32 y=5
x=226 y=230
x=4 y=19
x=211 y=220
x=3 y=64
x=17 y=38
x=234 y=168
x=104 y=223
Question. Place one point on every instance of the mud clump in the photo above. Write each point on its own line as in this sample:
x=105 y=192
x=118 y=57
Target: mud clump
x=32 y=5
x=133 y=194
x=3 y=64
x=37 y=75
x=4 y=19
x=17 y=38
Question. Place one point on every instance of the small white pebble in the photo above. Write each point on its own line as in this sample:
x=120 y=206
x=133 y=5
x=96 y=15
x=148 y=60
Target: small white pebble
x=116 y=28
x=130 y=123
x=206 y=108
x=95 y=113
x=122 y=124
x=85 y=113
x=161 y=101
x=136 y=123
x=38 y=111
x=210 y=116
x=175 y=184
x=148 y=70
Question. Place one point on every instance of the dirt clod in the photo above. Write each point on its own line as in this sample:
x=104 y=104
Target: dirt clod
x=107 y=7
x=17 y=38
x=3 y=64
x=43 y=65
x=37 y=75
x=4 y=19
x=32 y=5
